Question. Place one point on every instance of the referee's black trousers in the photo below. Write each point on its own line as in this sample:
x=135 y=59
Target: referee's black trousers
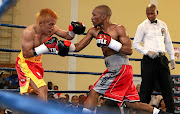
x=152 y=71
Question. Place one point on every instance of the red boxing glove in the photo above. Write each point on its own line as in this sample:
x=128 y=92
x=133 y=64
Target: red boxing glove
x=104 y=40
x=49 y=45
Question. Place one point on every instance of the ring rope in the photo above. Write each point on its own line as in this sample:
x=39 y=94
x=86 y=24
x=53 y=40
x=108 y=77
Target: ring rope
x=55 y=91
x=60 y=91
x=55 y=71
x=75 y=55
x=19 y=26
x=74 y=72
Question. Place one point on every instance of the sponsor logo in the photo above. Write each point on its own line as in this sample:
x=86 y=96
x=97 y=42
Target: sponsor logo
x=163 y=31
x=176 y=80
x=52 y=49
x=176 y=89
x=101 y=41
x=176 y=99
x=177 y=109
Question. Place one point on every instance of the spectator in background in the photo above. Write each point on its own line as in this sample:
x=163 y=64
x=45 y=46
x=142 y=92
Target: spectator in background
x=55 y=87
x=82 y=99
x=50 y=85
x=13 y=80
x=63 y=100
x=51 y=96
x=74 y=106
x=56 y=95
x=138 y=86
x=67 y=98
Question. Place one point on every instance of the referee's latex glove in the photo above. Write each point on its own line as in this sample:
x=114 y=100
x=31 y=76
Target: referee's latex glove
x=173 y=64
x=152 y=54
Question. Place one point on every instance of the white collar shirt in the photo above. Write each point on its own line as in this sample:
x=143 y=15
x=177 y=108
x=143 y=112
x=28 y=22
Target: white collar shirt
x=155 y=37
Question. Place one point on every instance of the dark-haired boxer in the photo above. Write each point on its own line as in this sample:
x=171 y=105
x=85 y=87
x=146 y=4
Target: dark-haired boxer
x=116 y=83
x=36 y=40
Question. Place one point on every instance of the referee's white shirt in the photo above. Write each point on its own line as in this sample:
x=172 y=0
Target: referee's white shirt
x=155 y=37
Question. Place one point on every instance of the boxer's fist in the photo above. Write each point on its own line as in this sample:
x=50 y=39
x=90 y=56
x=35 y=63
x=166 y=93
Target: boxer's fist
x=103 y=39
x=62 y=47
x=49 y=45
x=77 y=27
x=173 y=64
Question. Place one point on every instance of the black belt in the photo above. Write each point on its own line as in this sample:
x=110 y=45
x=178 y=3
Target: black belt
x=161 y=54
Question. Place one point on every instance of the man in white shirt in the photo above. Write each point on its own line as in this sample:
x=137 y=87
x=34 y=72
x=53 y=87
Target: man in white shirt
x=154 y=66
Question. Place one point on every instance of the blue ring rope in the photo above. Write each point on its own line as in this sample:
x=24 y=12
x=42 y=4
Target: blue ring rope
x=58 y=91
x=19 y=26
x=75 y=55
x=54 y=91
x=74 y=72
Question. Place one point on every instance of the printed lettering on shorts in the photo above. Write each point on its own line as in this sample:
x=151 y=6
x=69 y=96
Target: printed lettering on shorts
x=38 y=58
x=105 y=79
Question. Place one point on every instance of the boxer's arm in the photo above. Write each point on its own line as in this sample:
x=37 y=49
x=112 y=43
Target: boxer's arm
x=74 y=28
x=27 y=44
x=49 y=45
x=63 y=47
x=85 y=41
x=125 y=40
x=62 y=33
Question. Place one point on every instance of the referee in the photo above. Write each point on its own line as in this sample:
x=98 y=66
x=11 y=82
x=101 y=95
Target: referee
x=154 y=66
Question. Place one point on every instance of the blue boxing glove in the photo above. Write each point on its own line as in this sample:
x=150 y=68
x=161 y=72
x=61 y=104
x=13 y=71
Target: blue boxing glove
x=63 y=47
x=49 y=45
x=104 y=40
x=76 y=28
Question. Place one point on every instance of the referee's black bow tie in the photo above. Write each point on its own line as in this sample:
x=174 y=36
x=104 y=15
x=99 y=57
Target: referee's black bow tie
x=154 y=21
